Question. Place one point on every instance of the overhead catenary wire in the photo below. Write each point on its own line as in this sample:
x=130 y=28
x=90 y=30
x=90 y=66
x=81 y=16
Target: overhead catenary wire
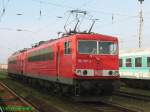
x=65 y=6
x=85 y=3
x=104 y=12
x=113 y=15
x=118 y=21
x=17 y=29
x=90 y=10
x=54 y=4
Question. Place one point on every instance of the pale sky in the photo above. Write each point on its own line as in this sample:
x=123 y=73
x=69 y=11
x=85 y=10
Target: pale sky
x=25 y=15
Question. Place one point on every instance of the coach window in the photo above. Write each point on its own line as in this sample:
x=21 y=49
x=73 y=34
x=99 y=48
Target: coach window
x=138 y=62
x=67 y=46
x=148 y=61
x=120 y=63
x=128 y=62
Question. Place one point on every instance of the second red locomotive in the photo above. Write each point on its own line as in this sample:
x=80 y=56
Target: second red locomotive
x=79 y=63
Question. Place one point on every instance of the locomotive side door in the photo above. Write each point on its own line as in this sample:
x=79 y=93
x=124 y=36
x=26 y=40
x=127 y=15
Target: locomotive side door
x=22 y=63
x=58 y=62
x=21 y=66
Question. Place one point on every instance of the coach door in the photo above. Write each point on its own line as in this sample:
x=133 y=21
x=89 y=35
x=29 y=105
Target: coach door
x=58 y=62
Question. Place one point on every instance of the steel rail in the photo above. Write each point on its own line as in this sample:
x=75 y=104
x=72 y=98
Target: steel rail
x=115 y=105
x=106 y=102
x=1 y=110
x=132 y=95
x=19 y=97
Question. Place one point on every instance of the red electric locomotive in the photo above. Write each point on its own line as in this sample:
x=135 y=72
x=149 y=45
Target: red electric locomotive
x=78 y=63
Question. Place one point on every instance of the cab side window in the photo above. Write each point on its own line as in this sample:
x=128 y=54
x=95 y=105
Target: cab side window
x=67 y=47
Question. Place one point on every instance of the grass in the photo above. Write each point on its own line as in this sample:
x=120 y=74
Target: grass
x=3 y=74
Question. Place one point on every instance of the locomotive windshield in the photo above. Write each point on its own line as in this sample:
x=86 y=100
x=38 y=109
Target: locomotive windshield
x=87 y=47
x=107 y=48
x=96 y=47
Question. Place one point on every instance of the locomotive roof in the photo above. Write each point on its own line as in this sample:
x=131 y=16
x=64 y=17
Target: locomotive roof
x=135 y=52
x=43 y=43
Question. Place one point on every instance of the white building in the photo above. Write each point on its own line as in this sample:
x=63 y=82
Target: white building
x=3 y=66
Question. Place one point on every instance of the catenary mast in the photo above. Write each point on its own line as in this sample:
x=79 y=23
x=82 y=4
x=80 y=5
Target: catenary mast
x=141 y=24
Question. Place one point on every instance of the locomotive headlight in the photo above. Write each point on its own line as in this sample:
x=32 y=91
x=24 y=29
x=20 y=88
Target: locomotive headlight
x=84 y=72
x=110 y=72
x=78 y=72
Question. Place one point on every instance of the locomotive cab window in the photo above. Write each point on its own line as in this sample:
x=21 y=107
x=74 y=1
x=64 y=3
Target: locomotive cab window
x=148 y=61
x=67 y=46
x=128 y=62
x=97 y=47
x=107 y=48
x=87 y=47
x=138 y=62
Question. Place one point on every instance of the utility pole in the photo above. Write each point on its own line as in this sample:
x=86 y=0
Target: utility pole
x=141 y=24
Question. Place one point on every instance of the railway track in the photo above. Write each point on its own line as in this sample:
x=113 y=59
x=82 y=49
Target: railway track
x=1 y=110
x=118 y=108
x=132 y=95
x=11 y=102
x=103 y=107
x=105 y=104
